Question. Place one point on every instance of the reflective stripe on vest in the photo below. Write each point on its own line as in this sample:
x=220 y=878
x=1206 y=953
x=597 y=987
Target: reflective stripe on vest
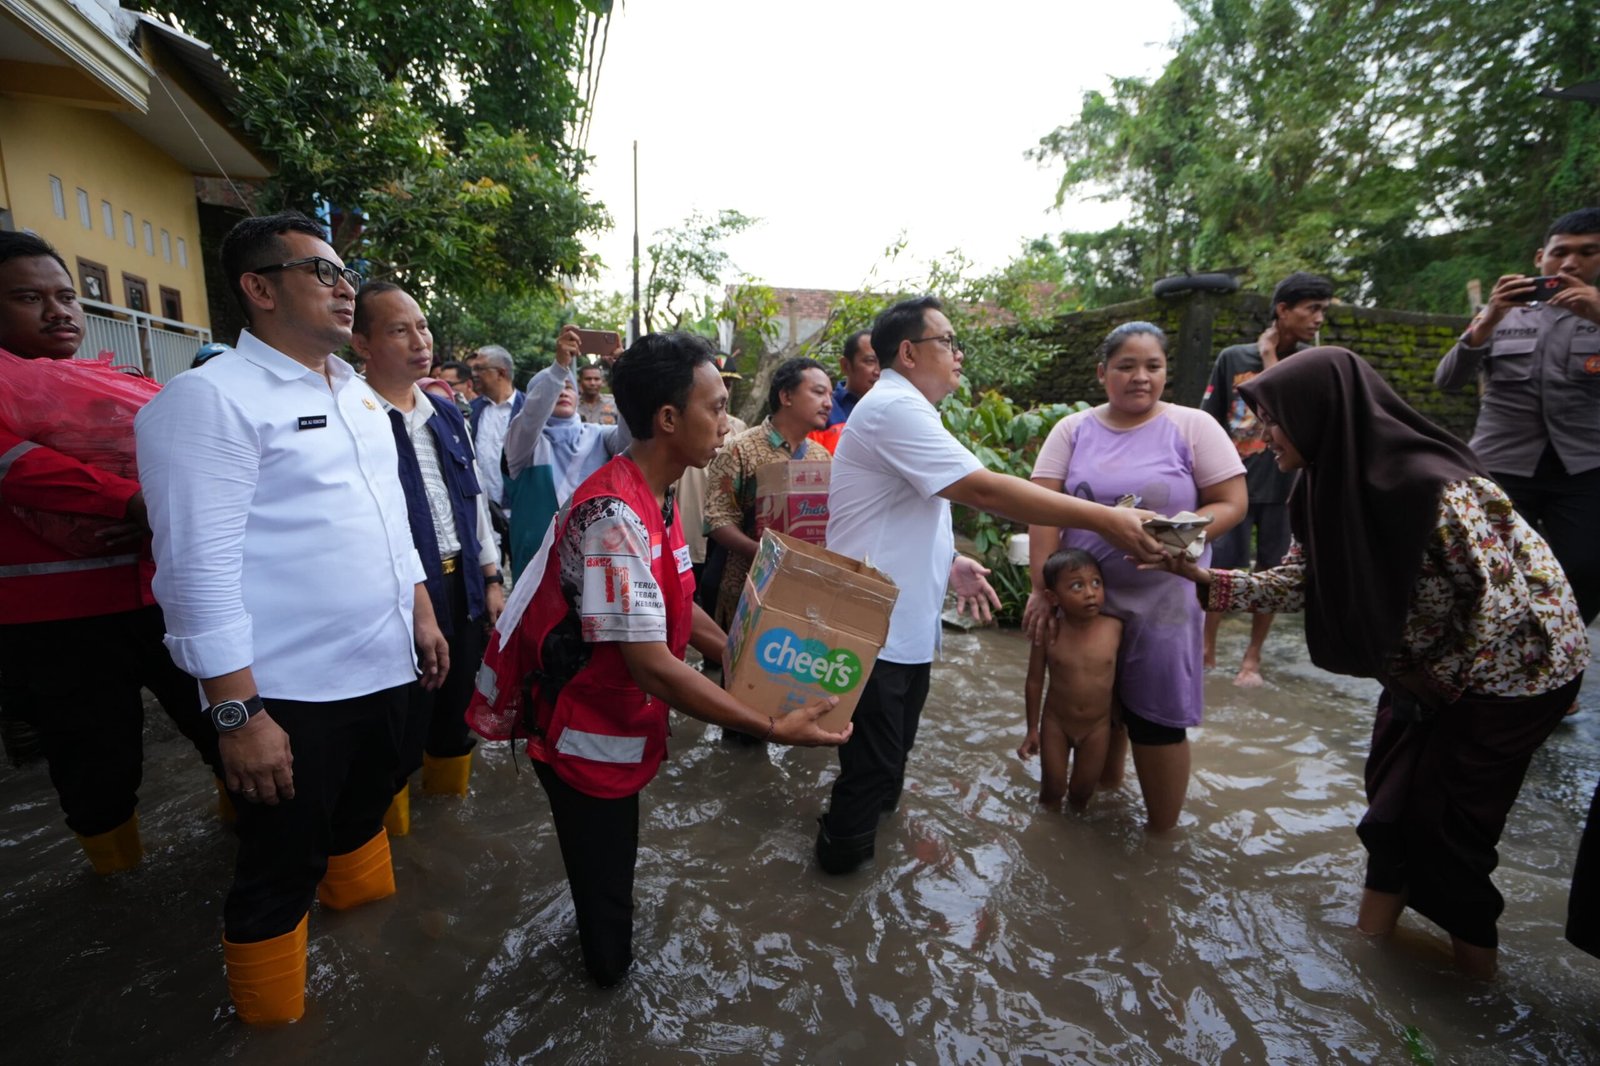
x=486 y=683
x=13 y=455
x=67 y=566
x=598 y=747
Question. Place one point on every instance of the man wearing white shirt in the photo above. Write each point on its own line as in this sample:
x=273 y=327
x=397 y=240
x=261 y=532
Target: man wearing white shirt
x=292 y=590
x=894 y=476
x=497 y=404
x=450 y=525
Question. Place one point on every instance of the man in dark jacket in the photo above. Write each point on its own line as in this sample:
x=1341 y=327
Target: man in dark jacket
x=449 y=520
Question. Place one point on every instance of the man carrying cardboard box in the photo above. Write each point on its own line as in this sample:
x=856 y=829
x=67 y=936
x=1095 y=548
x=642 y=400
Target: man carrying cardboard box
x=894 y=476
x=798 y=401
x=588 y=655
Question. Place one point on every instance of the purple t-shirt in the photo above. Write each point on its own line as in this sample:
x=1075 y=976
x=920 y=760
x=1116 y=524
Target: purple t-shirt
x=1164 y=463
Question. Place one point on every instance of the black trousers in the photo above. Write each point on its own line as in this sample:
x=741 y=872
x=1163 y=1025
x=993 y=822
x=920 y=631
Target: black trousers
x=437 y=722
x=77 y=681
x=345 y=754
x=599 y=847
x=1565 y=509
x=1583 y=904
x=872 y=763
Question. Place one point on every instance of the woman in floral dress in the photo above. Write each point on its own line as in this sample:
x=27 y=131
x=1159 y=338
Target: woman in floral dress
x=1413 y=568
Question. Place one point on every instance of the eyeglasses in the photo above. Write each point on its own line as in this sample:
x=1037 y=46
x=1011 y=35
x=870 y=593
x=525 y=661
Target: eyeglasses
x=948 y=340
x=328 y=272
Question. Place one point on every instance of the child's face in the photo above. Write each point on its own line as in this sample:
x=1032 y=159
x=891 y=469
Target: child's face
x=1079 y=593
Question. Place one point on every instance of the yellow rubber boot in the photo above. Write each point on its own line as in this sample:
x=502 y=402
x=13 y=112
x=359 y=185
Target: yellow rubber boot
x=267 y=978
x=225 y=812
x=116 y=850
x=397 y=819
x=446 y=776
x=358 y=876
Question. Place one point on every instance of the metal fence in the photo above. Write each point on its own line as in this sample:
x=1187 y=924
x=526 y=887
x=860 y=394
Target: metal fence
x=157 y=347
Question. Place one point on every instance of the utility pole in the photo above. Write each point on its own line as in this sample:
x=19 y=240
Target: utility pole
x=633 y=324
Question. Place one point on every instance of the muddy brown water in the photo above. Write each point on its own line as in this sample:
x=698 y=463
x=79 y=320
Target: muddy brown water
x=987 y=931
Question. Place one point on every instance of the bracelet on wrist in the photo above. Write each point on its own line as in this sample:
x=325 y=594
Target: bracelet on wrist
x=772 y=727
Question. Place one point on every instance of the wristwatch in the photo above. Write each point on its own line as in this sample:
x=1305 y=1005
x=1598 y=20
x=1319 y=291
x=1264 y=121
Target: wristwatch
x=234 y=714
x=495 y=578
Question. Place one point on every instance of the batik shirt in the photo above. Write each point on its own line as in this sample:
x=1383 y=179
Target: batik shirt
x=731 y=496
x=1491 y=612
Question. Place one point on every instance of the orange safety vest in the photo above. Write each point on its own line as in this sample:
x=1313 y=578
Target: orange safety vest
x=602 y=734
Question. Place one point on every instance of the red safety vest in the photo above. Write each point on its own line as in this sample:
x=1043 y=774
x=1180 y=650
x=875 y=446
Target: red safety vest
x=604 y=735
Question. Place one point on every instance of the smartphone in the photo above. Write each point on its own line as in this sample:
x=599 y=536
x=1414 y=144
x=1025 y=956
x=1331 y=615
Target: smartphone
x=598 y=341
x=1544 y=287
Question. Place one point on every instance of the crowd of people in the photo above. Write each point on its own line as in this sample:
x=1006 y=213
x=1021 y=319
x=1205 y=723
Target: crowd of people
x=332 y=580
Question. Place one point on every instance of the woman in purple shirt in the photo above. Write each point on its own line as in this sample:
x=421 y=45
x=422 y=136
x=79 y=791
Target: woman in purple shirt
x=1168 y=459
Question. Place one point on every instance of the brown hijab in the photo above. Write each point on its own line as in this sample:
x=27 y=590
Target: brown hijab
x=1366 y=502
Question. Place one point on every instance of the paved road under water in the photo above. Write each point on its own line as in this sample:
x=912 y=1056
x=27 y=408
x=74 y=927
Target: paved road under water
x=988 y=930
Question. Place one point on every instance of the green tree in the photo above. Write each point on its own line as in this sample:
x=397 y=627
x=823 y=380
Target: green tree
x=689 y=264
x=403 y=117
x=1336 y=136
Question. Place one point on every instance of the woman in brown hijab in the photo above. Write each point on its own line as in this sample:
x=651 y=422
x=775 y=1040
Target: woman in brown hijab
x=1413 y=568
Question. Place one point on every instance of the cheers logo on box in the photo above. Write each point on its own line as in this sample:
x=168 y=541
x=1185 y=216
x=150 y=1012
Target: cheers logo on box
x=782 y=651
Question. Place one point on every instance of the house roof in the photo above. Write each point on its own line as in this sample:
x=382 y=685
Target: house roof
x=158 y=81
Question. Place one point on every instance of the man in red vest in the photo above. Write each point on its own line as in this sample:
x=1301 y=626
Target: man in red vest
x=79 y=632
x=589 y=654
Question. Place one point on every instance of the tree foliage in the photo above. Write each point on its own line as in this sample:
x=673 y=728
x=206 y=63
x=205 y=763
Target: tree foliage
x=444 y=136
x=1338 y=136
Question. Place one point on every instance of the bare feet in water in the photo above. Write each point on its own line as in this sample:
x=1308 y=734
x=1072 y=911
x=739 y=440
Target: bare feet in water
x=1249 y=675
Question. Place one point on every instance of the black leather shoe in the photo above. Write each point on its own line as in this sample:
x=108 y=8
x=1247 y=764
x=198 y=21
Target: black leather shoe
x=842 y=855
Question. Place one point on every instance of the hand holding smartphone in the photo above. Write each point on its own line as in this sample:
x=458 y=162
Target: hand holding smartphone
x=1544 y=287
x=598 y=342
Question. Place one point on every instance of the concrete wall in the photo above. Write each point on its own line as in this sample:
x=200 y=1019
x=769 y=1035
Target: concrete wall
x=1404 y=346
x=91 y=150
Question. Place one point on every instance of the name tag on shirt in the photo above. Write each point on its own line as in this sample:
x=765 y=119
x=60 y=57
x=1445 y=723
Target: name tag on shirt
x=313 y=422
x=682 y=555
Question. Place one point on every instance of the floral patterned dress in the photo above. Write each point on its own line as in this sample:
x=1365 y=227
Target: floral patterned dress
x=1491 y=613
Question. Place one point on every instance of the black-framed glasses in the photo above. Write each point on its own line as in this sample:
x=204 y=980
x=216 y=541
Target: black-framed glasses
x=947 y=339
x=328 y=272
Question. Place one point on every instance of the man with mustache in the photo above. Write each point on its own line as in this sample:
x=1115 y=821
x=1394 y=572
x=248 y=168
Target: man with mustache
x=80 y=634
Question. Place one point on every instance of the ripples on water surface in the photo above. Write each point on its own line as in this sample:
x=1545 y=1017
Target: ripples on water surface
x=987 y=931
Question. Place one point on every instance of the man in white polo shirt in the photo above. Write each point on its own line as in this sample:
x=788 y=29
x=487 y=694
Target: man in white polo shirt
x=291 y=589
x=894 y=475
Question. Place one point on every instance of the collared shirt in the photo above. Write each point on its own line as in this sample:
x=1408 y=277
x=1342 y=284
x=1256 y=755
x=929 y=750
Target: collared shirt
x=439 y=506
x=281 y=536
x=490 y=442
x=603 y=412
x=884 y=507
x=844 y=401
x=731 y=496
x=1540 y=386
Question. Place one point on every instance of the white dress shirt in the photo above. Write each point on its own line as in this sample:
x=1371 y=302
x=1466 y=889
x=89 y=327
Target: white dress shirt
x=439 y=505
x=281 y=536
x=493 y=422
x=883 y=506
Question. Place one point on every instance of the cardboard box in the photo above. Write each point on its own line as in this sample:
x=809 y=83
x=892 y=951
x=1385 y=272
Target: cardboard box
x=792 y=498
x=810 y=624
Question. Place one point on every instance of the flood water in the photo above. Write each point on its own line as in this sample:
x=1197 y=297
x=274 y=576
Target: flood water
x=987 y=931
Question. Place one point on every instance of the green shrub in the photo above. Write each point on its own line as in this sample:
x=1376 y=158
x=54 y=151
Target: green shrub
x=1006 y=439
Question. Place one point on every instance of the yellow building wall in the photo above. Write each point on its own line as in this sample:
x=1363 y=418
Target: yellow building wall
x=91 y=150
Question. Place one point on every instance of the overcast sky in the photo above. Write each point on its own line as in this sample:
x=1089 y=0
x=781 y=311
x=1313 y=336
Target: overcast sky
x=842 y=123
